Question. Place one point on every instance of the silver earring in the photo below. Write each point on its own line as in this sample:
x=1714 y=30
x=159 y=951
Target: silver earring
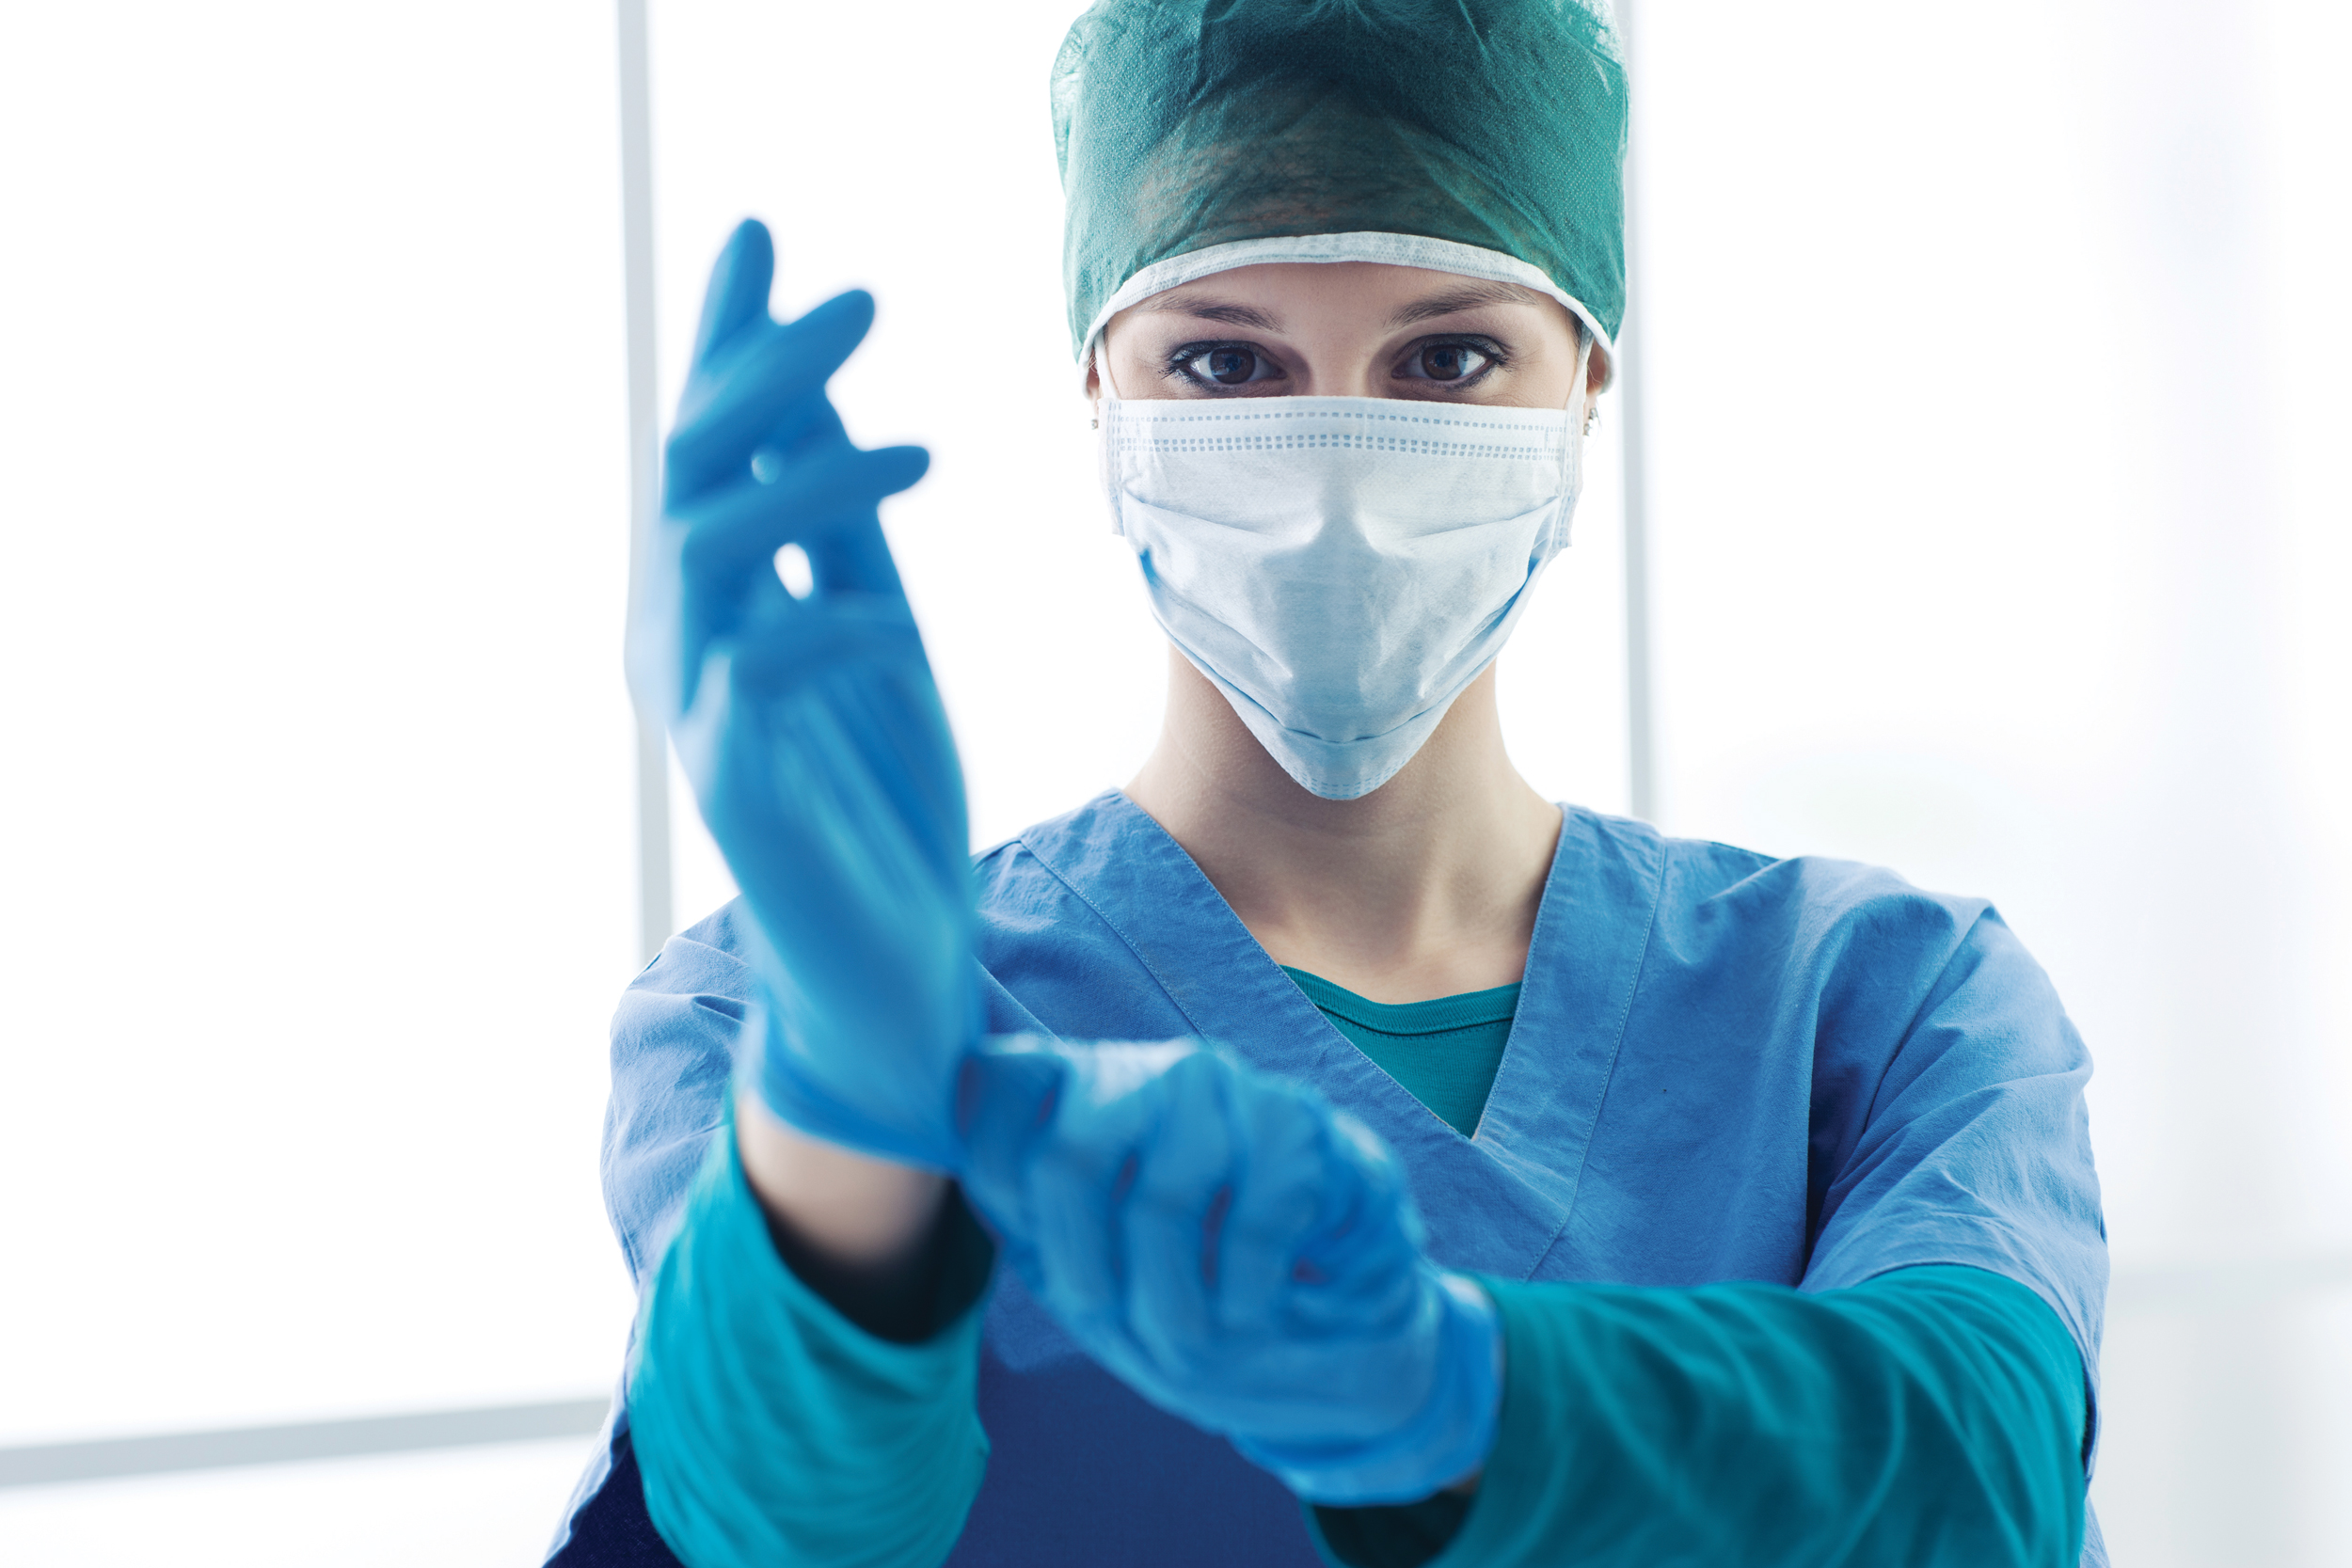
x=1592 y=417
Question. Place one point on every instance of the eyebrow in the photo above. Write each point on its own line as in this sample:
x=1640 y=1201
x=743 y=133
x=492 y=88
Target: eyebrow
x=1468 y=296
x=1232 y=314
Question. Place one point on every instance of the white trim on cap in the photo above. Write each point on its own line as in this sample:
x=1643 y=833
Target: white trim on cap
x=1398 y=250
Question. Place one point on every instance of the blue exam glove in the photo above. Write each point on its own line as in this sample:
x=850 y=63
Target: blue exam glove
x=1240 y=1254
x=811 y=728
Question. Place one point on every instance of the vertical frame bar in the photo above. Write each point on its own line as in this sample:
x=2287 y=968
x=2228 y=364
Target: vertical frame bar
x=644 y=458
x=1641 y=727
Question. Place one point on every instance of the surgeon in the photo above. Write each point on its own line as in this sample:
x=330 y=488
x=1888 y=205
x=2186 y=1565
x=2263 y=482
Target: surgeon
x=1322 y=1150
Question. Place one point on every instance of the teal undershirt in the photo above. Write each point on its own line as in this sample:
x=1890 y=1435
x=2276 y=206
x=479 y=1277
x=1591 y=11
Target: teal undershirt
x=1931 y=1417
x=1444 y=1053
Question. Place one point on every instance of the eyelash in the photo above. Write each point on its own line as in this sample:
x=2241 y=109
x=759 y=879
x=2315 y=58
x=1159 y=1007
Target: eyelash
x=1485 y=347
x=1180 y=361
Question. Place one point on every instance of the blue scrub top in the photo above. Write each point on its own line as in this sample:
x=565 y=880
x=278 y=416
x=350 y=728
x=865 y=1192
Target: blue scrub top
x=1724 y=1066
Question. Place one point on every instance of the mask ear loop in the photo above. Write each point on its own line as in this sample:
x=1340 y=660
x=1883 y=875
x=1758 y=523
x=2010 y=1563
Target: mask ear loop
x=1583 y=391
x=1572 y=438
x=1106 y=459
x=1101 y=364
x=1584 y=377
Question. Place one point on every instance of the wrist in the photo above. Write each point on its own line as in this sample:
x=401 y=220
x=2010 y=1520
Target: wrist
x=828 y=1089
x=858 y=1229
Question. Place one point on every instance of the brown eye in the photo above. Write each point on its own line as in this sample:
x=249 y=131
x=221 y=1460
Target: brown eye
x=1447 y=362
x=1227 y=367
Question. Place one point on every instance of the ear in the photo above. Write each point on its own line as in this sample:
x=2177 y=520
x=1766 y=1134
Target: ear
x=1102 y=381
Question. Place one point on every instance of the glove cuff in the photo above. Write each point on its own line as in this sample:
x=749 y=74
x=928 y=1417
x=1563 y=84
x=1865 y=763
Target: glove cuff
x=919 y=1130
x=1447 y=1439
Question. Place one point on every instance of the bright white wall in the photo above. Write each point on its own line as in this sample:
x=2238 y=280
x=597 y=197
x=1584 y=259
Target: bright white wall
x=2001 y=526
x=315 y=811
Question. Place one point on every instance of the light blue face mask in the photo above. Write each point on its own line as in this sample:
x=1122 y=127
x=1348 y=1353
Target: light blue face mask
x=1342 y=568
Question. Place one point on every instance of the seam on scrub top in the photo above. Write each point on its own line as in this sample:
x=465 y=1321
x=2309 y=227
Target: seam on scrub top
x=1149 y=967
x=1186 y=1013
x=1902 y=1042
x=1511 y=1034
x=2078 y=1332
x=671 y=1220
x=630 y=1255
x=2081 y=1331
x=1617 y=1045
x=693 y=941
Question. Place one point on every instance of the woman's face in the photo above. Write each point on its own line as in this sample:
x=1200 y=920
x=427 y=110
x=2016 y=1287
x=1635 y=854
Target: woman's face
x=1360 y=329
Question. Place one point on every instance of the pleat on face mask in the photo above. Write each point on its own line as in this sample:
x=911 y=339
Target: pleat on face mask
x=1341 y=568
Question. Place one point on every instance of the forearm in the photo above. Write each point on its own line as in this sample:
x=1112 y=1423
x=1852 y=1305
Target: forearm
x=771 y=1427
x=1933 y=1416
x=859 y=1231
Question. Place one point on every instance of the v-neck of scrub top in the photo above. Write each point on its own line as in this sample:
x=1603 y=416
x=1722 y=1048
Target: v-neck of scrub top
x=1444 y=1053
x=1135 y=922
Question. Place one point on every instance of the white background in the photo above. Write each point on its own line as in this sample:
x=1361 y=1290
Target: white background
x=2000 y=529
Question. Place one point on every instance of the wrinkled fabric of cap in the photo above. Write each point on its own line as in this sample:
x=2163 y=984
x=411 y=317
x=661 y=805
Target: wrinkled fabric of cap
x=1484 y=137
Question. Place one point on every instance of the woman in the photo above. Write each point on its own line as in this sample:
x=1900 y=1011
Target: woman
x=1511 y=1185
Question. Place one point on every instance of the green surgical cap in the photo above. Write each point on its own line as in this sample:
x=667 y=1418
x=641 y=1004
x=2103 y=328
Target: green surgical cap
x=1484 y=137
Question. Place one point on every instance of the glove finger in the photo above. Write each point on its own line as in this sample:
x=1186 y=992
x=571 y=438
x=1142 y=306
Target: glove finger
x=737 y=292
x=742 y=528
x=1081 y=1175
x=857 y=560
x=1286 y=1186
x=1073 y=1189
x=1185 y=1183
x=1362 y=1249
x=754 y=386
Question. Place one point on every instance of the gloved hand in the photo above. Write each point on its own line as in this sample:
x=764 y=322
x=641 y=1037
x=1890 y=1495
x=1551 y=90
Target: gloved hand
x=811 y=728
x=1240 y=1254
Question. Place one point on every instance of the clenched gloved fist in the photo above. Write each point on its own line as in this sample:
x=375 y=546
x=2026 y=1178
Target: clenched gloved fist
x=1242 y=1255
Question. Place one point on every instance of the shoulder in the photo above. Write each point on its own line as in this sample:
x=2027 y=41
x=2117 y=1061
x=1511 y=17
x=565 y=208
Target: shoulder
x=1840 y=963
x=1717 y=902
x=1095 y=833
x=1034 y=879
x=699 y=983
x=1942 y=1080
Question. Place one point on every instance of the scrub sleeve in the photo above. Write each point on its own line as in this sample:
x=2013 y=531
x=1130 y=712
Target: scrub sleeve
x=770 y=1429
x=1933 y=1416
